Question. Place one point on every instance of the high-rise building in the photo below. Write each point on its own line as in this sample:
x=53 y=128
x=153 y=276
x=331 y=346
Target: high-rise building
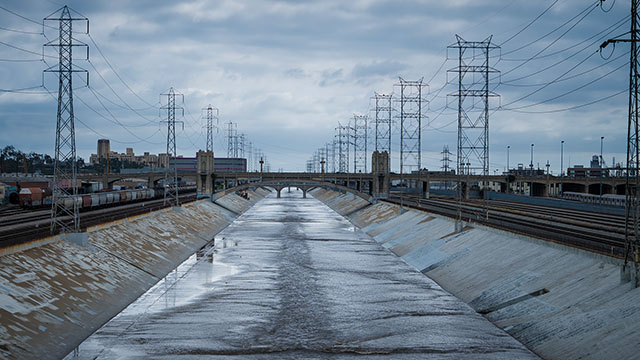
x=103 y=148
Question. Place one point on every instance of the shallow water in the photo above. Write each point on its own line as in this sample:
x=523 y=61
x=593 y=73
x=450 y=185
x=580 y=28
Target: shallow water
x=291 y=278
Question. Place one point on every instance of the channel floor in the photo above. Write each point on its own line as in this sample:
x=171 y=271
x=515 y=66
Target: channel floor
x=292 y=279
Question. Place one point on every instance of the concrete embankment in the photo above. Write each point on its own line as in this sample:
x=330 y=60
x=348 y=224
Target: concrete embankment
x=53 y=294
x=560 y=302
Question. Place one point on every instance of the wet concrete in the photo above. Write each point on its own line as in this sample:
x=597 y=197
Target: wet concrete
x=292 y=279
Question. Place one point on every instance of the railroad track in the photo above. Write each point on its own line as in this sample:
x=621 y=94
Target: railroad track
x=576 y=232
x=38 y=227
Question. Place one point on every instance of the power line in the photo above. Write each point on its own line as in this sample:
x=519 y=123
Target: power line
x=116 y=73
x=550 y=44
x=529 y=24
x=20 y=31
x=572 y=76
x=26 y=18
x=567 y=93
x=592 y=7
x=568 y=108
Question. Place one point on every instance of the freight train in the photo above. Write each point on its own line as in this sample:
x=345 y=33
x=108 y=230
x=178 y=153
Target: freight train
x=29 y=197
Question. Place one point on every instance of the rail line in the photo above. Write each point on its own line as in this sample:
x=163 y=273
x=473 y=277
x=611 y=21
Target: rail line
x=569 y=227
x=37 y=226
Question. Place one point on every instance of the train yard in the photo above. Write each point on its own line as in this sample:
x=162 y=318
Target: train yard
x=19 y=225
x=596 y=232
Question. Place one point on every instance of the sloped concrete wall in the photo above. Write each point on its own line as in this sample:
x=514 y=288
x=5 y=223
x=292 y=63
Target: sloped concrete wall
x=54 y=295
x=578 y=310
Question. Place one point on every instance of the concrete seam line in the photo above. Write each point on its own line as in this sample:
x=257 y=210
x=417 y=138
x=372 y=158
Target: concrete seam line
x=126 y=261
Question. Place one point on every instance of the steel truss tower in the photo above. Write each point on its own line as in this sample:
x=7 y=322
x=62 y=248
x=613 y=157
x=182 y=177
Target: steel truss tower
x=473 y=73
x=232 y=135
x=383 y=123
x=249 y=156
x=632 y=206
x=343 y=147
x=446 y=160
x=211 y=116
x=171 y=180
x=65 y=162
x=360 y=143
x=410 y=125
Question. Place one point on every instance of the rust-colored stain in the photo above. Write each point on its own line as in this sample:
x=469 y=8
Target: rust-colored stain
x=426 y=219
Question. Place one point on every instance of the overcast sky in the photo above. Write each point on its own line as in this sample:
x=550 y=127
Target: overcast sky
x=288 y=71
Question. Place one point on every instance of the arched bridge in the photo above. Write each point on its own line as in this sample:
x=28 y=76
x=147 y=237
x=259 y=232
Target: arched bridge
x=304 y=185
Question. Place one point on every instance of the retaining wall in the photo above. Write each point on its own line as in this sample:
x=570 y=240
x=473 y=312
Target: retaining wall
x=53 y=294
x=561 y=302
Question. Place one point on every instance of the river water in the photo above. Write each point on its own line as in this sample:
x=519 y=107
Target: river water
x=292 y=279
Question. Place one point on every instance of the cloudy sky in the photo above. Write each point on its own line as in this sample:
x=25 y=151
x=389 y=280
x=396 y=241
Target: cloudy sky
x=288 y=71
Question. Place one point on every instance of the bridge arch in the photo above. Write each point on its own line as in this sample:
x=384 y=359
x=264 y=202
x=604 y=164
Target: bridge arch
x=304 y=185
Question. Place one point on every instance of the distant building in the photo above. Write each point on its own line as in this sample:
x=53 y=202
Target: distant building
x=184 y=164
x=104 y=148
x=229 y=165
x=104 y=152
x=523 y=171
x=595 y=169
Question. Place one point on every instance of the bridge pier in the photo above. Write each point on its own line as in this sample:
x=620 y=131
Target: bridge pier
x=204 y=180
x=380 y=185
x=425 y=190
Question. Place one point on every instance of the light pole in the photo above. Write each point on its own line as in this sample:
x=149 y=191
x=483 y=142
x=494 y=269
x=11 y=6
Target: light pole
x=531 y=166
x=508 y=171
x=601 y=167
x=561 y=167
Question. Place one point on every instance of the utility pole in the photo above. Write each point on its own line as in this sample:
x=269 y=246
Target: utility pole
x=601 y=167
x=171 y=181
x=632 y=207
x=508 y=171
x=561 y=168
x=531 y=172
x=473 y=132
x=65 y=181
x=212 y=114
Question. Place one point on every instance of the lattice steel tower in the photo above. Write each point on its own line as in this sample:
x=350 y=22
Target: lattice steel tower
x=632 y=206
x=211 y=116
x=343 y=147
x=383 y=123
x=360 y=143
x=65 y=161
x=446 y=160
x=232 y=140
x=171 y=177
x=473 y=73
x=410 y=125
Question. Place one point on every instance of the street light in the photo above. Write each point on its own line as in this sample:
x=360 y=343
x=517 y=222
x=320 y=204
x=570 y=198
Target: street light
x=601 y=168
x=561 y=167
x=531 y=166
x=508 y=171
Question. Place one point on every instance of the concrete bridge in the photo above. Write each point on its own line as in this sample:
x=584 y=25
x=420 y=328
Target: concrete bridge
x=378 y=182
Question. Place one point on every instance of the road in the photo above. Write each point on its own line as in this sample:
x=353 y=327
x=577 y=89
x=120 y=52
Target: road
x=292 y=279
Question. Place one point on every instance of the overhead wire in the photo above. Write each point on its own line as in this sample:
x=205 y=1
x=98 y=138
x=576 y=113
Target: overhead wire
x=550 y=44
x=569 y=92
x=529 y=24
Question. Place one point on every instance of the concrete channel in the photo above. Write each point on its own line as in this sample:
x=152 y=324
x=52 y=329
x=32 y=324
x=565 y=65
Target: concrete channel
x=330 y=276
x=293 y=279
